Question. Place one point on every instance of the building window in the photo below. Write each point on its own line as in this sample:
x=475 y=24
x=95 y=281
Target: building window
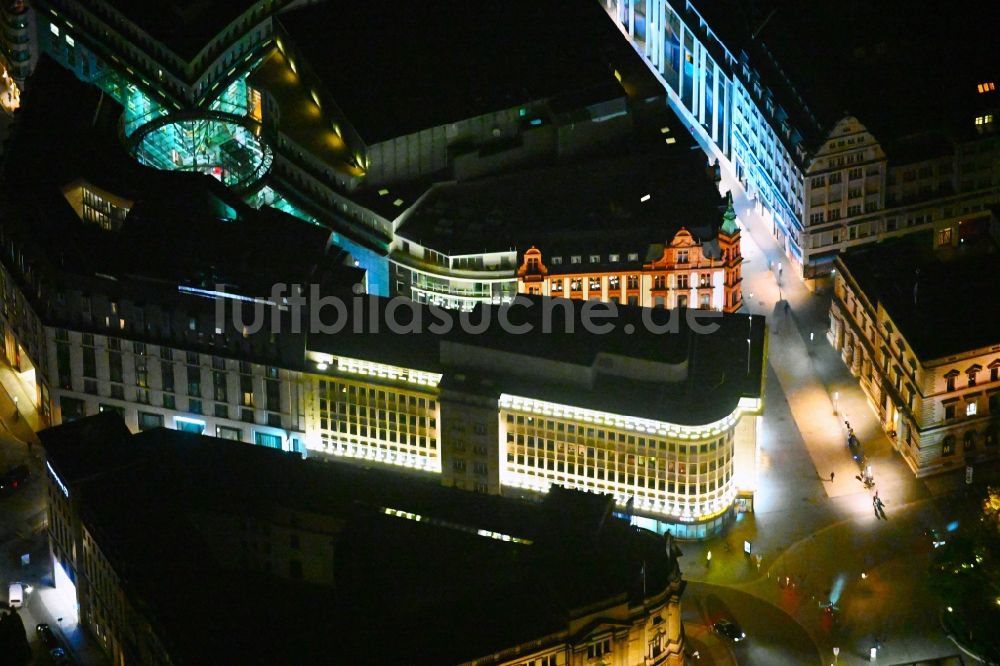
x=950 y=383
x=969 y=441
x=222 y=411
x=234 y=434
x=600 y=649
x=970 y=408
x=944 y=236
x=949 y=411
x=194 y=406
x=148 y=420
x=575 y=259
x=682 y=256
x=267 y=440
x=633 y=256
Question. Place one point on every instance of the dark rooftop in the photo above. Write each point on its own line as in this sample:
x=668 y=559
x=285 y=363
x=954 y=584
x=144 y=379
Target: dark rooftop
x=899 y=68
x=718 y=373
x=183 y=26
x=943 y=303
x=184 y=228
x=578 y=208
x=397 y=67
x=145 y=517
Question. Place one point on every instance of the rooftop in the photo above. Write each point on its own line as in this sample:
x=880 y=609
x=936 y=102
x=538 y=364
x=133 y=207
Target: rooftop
x=184 y=228
x=572 y=554
x=623 y=203
x=871 y=59
x=578 y=367
x=466 y=59
x=939 y=301
x=184 y=26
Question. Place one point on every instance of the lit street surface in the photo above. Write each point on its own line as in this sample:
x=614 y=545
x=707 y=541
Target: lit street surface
x=23 y=523
x=820 y=541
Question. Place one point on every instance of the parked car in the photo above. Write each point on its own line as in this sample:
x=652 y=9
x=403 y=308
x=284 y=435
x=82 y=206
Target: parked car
x=15 y=595
x=14 y=478
x=45 y=635
x=730 y=630
x=59 y=657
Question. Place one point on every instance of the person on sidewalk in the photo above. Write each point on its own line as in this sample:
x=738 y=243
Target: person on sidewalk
x=831 y=477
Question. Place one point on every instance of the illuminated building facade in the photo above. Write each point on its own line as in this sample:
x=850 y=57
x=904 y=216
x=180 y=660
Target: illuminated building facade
x=648 y=228
x=688 y=273
x=721 y=98
x=856 y=195
x=247 y=92
x=512 y=416
x=750 y=90
x=322 y=538
x=125 y=324
x=935 y=384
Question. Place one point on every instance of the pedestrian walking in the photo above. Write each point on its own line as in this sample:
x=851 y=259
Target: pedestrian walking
x=831 y=477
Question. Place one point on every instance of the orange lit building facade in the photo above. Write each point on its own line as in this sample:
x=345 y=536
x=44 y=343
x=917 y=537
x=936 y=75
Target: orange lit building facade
x=686 y=271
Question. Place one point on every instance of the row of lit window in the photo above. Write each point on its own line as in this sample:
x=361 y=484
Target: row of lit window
x=381 y=435
x=356 y=414
x=543 y=429
x=364 y=395
x=619 y=460
x=657 y=488
x=641 y=478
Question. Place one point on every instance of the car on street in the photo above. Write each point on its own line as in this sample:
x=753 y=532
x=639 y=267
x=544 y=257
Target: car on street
x=45 y=635
x=13 y=478
x=935 y=537
x=730 y=630
x=15 y=595
x=59 y=657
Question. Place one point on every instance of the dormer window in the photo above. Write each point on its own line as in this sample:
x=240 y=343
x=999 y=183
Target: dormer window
x=556 y=261
x=682 y=256
x=613 y=258
x=633 y=256
x=950 y=379
x=972 y=373
x=595 y=258
x=575 y=259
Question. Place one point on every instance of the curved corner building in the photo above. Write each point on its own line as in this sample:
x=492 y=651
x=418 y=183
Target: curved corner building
x=660 y=412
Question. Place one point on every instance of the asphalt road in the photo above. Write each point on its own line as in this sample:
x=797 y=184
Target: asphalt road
x=773 y=637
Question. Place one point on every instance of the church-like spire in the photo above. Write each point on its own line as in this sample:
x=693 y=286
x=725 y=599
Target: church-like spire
x=729 y=219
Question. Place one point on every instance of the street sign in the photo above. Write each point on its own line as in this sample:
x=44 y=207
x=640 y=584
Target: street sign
x=968 y=474
x=746 y=547
x=874 y=652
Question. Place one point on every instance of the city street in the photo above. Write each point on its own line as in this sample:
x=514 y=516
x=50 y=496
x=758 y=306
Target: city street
x=23 y=524
x=820 y=541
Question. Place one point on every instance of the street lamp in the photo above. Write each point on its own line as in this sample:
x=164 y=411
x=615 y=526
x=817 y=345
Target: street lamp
x=836 y=655
x=836 y=396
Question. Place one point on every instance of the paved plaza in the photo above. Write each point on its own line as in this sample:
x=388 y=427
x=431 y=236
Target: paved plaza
x=819 y=541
